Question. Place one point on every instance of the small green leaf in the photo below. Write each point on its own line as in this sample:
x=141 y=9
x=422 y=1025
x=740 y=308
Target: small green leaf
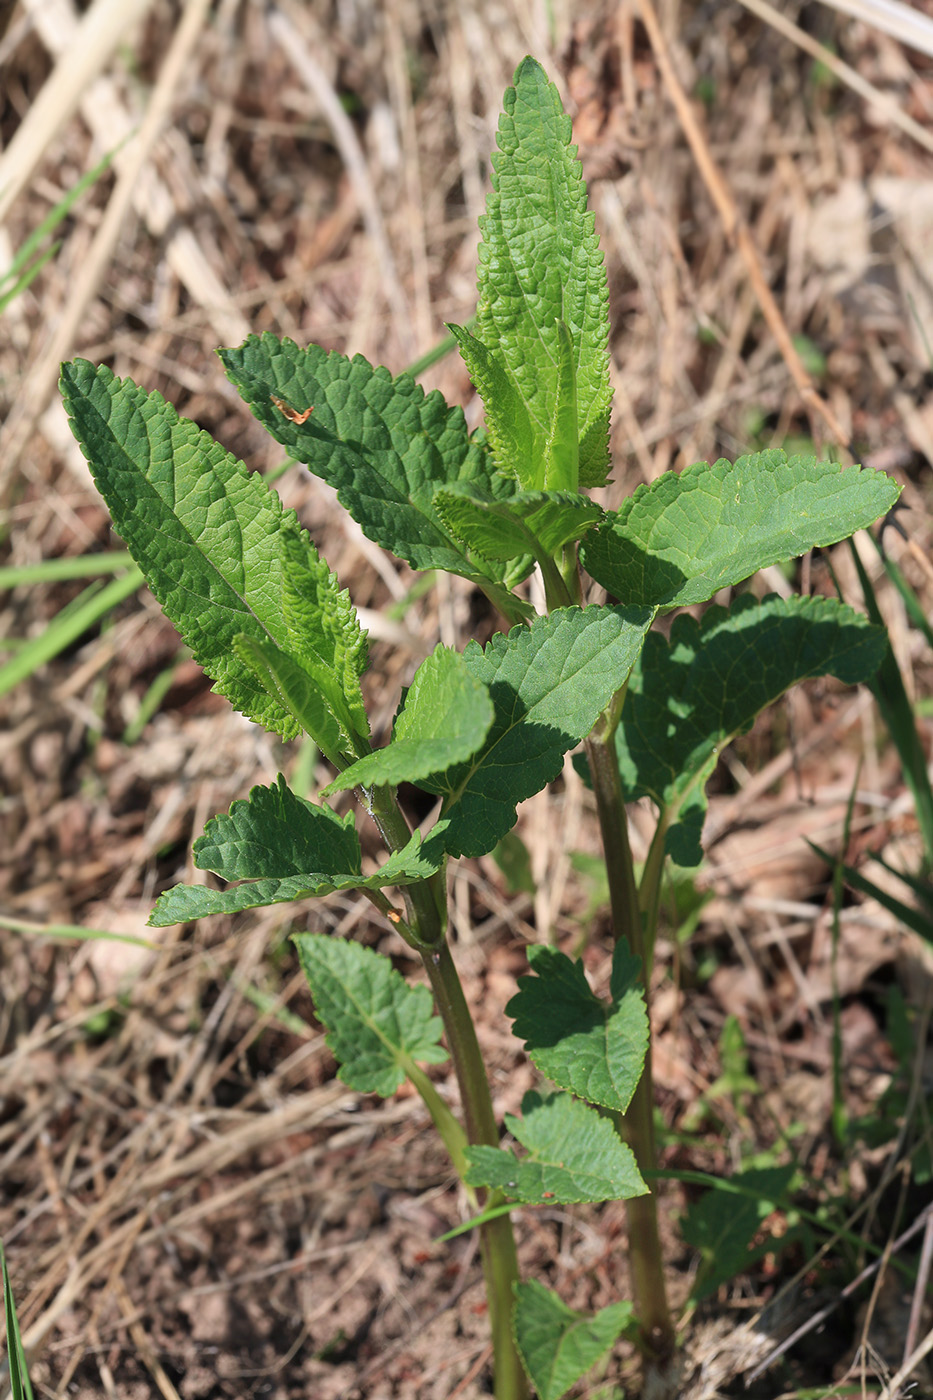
x=205 y=531
x=574 y=1154
x=287 y=848
x=593 y=1047
x=689 y=697
x=511 y=435
x=20 y=1385
x=548 y=683
x=382 y=443
x=680 y=539
x=445 y=718
x=541 y=270
x=558 y=1345
x=723 y=1223
x=535 y=523
x=376 y=1023
x=293 y=690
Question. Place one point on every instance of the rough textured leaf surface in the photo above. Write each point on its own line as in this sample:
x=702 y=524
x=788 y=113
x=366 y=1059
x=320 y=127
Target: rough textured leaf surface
x=680 y=539
x=381 y=442
x=540 y=265
x=574 y=1154
x=445 y=718
x=558 y=1345
x=548 y=683
x=687 y=698
x=376 y=1023
x=593 y=1047
x=529 y=523
x=203 y=529
x=287 y=849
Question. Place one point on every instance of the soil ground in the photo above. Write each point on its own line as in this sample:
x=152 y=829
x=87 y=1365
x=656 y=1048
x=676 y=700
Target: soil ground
x=191 y=1203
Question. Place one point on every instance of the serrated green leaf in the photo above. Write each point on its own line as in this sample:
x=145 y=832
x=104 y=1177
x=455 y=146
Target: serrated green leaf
x=287 y=848
x=376 y=1023
x=324 y=633
x=574 y=1154
x=723 y=1223
x=593 y=1047
x=690 y=697
x=445 y=718
x=204 y=530
x=548 y=683
x=539 y=266
x=558 y=1345
x=680 y=539
x=382 y=443
x=291 y=688
x=511 y=435
x=530 y=523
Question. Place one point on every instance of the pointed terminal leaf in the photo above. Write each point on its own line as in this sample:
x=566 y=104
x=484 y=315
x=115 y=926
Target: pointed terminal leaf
x=548 y=683
x=203 y=529
x=689 y=697
x=530 y=522
x=593 y=1047
x=558 y=1345
x=376 y=1023
x=287 y=848
x=382 y=443
x=540 y=265
x=680 y=539
x=445 y=718
x=574 y=1155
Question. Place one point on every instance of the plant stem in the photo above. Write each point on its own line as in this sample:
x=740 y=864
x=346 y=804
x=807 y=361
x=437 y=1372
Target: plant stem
x=637 y=1124
x=497 y=1241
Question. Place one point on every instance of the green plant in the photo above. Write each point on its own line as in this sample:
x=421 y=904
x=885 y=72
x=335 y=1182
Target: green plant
x=485 y=729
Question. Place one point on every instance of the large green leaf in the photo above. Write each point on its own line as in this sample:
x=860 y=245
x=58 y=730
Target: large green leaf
x=376 y=1023
x=445 y=718
x=381 y=442
x=558 y=1345
x=286 y=848
x=685 y=536
x=542 y=320
x=593 y=1047
x=689 y=697
x=574 y=1154
x=548 y=683
x=207 y=533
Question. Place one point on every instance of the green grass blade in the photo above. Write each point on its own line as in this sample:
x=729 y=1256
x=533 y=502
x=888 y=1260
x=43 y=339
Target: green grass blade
x=94 y=604
x=20 y=1386
x=56 y=214
x=54 y=570
x=71 y=932
x=897 y=712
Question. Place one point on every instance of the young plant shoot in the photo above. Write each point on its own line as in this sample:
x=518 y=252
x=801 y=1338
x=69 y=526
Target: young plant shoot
x=485 y=729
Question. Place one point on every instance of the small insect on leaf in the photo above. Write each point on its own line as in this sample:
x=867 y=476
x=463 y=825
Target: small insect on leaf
x=292 y=414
